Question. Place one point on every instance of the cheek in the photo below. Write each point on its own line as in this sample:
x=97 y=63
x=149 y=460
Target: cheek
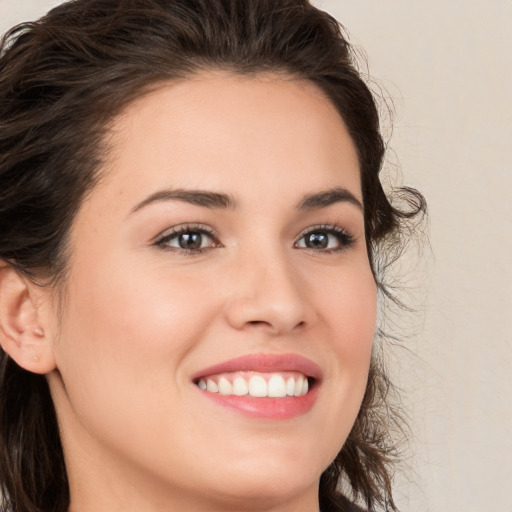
x=124 y=340
x=350 y=314
x=133 y=307
x=126 y=332
x=350 y=309
x=360 y=323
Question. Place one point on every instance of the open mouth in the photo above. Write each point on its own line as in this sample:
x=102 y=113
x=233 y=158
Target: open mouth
x=270 y=386
x=257 y=384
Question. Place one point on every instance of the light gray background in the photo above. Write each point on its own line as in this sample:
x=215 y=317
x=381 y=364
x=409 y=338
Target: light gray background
x=447 y=66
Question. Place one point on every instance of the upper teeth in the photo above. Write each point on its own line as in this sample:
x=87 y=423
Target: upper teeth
x=257 y=385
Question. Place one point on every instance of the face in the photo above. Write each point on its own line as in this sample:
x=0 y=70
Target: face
x=220 y=260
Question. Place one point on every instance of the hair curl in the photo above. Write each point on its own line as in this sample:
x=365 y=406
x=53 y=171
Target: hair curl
x=63 y=79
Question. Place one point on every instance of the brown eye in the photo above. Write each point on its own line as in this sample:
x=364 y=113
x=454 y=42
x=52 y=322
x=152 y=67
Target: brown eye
x=190 y=240
x=187 y=239
x=325 y=238
x=317 y=240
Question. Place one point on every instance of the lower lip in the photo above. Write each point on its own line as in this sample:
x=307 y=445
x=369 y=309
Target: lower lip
x=271 y=408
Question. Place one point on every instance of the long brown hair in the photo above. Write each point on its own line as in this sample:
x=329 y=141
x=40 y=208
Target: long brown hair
x=63 y=79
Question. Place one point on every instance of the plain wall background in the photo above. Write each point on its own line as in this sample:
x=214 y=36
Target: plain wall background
x=447 y=66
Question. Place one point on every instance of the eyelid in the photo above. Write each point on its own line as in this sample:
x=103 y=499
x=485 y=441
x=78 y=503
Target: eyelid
x=180 y=228
x=341 y=232
x=184 y=228
x=345 y=238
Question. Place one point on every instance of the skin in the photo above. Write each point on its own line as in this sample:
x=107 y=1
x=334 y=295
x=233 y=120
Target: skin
x=140 y=319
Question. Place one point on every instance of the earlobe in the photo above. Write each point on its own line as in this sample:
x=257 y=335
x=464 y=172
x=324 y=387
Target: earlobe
x=22 y=335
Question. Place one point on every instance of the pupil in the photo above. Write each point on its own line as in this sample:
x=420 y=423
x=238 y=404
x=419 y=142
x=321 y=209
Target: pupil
x=317 y=240
x=190 y=240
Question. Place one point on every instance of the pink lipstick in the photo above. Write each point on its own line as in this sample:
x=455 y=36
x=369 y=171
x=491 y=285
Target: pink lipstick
x=262 y=385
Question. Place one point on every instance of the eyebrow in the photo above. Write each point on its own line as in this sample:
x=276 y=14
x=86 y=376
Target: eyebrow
x=327 y=198
x=217 y=200
x=202 y=198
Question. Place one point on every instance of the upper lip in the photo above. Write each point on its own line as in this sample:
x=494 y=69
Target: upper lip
x=264 y=363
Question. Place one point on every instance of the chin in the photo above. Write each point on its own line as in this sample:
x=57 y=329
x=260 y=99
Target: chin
x=265 y=491
x=269 y=481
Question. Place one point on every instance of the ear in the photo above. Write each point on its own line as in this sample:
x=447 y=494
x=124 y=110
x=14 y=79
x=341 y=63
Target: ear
x=22 y=329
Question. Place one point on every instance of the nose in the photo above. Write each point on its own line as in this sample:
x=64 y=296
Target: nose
x=269 y=295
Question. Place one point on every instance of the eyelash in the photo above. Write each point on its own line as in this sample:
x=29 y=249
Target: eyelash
x=187 y=229
x=344 y=238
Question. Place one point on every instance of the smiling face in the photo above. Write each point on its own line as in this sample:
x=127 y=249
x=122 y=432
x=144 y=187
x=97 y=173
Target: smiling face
x=221 y=259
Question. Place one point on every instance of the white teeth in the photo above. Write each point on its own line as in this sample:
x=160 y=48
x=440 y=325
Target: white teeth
x=211 y=386
x=290 y=386
x=298 y=386
x=225 y=387
x=305 y=387
x=273 y=386
x=276 y=386
x=240 y=387
x=258 y=386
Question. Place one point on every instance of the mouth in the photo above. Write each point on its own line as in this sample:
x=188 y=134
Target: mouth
x=257 y=385
x=269 y=386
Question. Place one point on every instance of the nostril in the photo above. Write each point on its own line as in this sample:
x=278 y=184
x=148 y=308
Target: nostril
x=258 y=322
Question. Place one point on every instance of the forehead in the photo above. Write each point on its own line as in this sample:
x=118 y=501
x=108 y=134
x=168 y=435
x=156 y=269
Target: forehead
x=220 y=131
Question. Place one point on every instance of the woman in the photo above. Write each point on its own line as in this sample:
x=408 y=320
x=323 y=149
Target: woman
x=192 y=227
